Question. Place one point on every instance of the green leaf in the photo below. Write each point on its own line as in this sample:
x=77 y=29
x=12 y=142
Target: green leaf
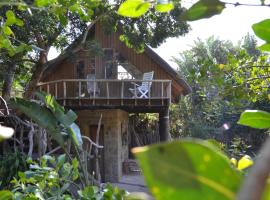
x=164 y=7
x=40 y=115
x=7 y=30
x=11 y=18
x=189 y=168
x=204 y=9
x=265 y=47
x=6 y=195
x=19 y=22
x=262 y=29
x=255 y=119
x=6 y=133
x=42 y=3
x=133 y=8
x=57 y=109
x=75 y=134
x=61 y=160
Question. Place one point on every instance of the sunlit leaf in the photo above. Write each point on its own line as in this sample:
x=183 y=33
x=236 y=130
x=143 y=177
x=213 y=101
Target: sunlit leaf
x=255 y=119
x=164 y=7
x=265 y=47
x=11 y=18
x=262 y=29
x=42 y=3
x=190 y=168
x=133 y=8
x=203 y=9
x=245 y=162
x=7 y=30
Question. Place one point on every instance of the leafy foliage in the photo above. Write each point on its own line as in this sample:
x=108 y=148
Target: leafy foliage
x=10 y=165
x=49 y=116
x=51 y=179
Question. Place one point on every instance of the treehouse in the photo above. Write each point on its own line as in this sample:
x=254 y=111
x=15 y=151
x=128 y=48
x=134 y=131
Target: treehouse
x=114 y=84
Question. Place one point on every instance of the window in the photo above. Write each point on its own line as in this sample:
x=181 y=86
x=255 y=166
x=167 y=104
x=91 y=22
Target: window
x=110 y=67
x=80 y=69
x=92 y=66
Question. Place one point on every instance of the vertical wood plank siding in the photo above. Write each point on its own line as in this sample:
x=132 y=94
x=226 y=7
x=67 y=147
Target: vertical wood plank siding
x=67 y=68
x=142 y=61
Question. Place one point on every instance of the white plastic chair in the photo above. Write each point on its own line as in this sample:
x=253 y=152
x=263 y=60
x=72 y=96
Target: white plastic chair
x=142 y=91
x=92 y=85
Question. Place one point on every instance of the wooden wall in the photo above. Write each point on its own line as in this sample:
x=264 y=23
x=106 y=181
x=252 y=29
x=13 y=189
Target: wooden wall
x=142 y=61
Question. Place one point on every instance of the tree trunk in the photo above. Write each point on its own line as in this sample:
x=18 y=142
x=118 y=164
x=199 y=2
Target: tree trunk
x=8 y=80
x=37 y=74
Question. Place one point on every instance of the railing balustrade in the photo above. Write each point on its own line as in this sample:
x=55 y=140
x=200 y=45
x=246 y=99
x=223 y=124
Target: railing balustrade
x=106 y=89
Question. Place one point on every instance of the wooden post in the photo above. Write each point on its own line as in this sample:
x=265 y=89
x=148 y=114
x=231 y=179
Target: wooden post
x=94 y=95
x=135 y=94
x=48 y=88
x=80 y=92
x=164 y=125
x=107 y=92
x=65 y=92
x=122 y=92
x=149 y=93
x=56 y=92
x=162 y=93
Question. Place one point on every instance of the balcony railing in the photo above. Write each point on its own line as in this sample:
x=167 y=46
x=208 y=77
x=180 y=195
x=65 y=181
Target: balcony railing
x=107 y=89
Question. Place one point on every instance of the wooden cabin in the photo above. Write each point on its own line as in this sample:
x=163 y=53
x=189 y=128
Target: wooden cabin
x=92 y=85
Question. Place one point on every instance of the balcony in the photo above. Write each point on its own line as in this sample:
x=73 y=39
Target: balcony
x=108 y=93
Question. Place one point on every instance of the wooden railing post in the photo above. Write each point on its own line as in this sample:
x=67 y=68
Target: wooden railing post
x=80 y=89
x=162 y=92
x=55 y=90
x=170 y=91
x=122 y=92
x=94 y=101
x=107 y=92
x=149 y=93
x=80 y=92
x=48 y=88
x=135 y=94
x=65 y=92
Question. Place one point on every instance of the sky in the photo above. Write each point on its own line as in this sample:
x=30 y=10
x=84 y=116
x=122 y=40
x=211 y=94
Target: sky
x=232 y=24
